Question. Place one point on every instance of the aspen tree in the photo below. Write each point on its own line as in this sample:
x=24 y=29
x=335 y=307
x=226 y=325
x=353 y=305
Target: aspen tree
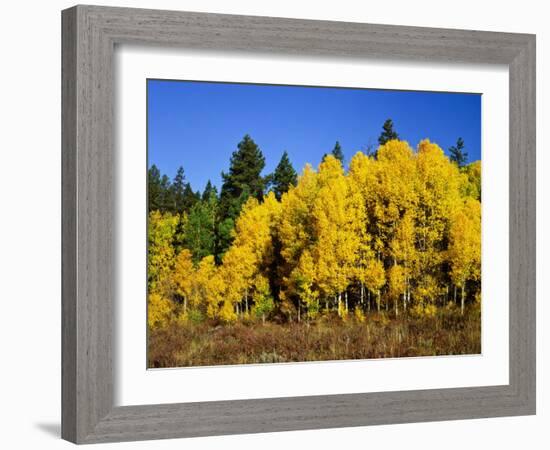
x=159 y=310
x=361 y=170
x=161 y=255
x=296 y=231
x=337 y=234
x=396 y=201
x=465 y=246
x=438 y=186
x=303 y=278
x=183 y=276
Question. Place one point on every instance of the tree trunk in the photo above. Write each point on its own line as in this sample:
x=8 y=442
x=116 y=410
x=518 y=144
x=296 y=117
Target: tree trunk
x=326 y=304
x=246 y=299
x=299 y=312
x=346 y=301
x=378 y=300
x=263 y=318
x=397 y=306
x=368 y=300
x=184 y=304
x=339 y=303
x=455 y=295
x=362 y=293
x=462 y=299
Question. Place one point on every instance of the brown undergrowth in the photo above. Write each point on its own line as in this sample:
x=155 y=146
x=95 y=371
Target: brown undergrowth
x=329 y=338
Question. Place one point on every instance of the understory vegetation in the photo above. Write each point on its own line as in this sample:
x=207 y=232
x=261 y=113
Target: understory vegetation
x=328 y=338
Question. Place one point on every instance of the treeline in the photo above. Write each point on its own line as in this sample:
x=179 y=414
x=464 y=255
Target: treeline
x=210 y=218
x=399 y=229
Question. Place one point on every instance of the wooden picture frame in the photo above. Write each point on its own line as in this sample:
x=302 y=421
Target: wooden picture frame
x=90 y=34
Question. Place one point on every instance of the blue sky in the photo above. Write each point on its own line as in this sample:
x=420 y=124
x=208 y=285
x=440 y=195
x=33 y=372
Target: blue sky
x=198 y=125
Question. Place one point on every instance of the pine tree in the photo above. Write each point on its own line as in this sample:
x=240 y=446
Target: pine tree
x=200 y=228
x=166 y=195
x=458 y=155
x=209 y=190
x=338 y=153
x=190 y=198
x=154 y=189
x=283 y=177
x=178 y=191
x=246 y=165
x=388 y=132
x=243 y=180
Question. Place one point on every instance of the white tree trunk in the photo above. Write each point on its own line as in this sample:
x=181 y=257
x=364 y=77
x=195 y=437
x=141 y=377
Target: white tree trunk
x=346 y=301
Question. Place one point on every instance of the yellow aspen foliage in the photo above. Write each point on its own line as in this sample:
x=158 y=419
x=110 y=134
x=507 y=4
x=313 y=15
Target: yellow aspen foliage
x=226 y=312
x=464 y=252
x=161 y=255
x=359 y=315
x=396 y=281
x=255 y=227
x=394 y=208
x=336 y=230
x=237 y=274
x=303 y=279
x=159 y=311
x=295 y=232
x=426 y=293
x=183 y=276
x=401 y=228
x=205 y=291
x=404 y=255
x=375 y=279
x=396 y=179
x=395 y=193
x=438 y=185
x=471 y=182
x=361 y=179
x=263 y=300
x=296 y=225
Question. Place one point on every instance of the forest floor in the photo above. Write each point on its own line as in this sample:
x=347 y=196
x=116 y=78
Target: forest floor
x=380 y=335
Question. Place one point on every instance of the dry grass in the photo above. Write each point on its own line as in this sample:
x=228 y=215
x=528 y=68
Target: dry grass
x=329 y=338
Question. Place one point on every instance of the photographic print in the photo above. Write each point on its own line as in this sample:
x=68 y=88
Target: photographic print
x=301 y=223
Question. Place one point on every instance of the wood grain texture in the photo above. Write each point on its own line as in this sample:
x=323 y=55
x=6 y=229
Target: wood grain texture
x=89 y=36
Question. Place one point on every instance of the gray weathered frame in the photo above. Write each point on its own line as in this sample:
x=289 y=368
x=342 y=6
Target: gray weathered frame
x=89 y=36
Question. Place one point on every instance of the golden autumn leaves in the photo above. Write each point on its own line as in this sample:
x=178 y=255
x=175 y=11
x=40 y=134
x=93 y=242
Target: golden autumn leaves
x=399 y=231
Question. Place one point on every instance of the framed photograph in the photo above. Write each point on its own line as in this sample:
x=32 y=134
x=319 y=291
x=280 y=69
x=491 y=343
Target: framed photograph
x=278 y=224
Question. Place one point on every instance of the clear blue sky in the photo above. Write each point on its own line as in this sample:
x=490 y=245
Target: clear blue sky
x=198 y=125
